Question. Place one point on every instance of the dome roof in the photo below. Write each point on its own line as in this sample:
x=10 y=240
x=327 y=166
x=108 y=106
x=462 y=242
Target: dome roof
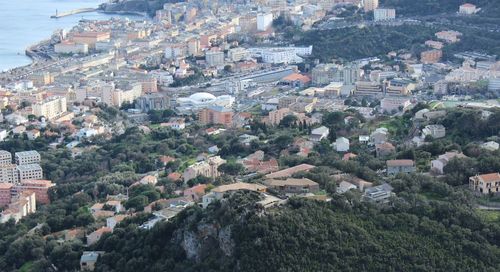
x=202 y=97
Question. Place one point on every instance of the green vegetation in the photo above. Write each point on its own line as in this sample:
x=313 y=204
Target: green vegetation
x=355 y=43
x=429 y=7
x=414 y=234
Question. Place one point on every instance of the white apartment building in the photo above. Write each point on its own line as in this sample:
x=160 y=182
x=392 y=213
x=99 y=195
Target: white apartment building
x=214 y=58
x=67 y=47
x=5 y=157
x=51 y=107
x=383 y=14
x=264 y=21
x=116 y=97
x=8 y=174
x=277 y=55
x=27 y=157
x=237 y=54
x=29 y=171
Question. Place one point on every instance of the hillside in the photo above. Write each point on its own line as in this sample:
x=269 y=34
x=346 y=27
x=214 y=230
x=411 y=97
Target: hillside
x=147 y=6
x=416 y=234
x=428 y=7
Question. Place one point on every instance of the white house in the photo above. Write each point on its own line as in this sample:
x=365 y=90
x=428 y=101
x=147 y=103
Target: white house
x=380 y=135
x=319 y=134
x=435 y=131
x=491 y=146
x=345 y=186
x=438 y=164
x=342 y=144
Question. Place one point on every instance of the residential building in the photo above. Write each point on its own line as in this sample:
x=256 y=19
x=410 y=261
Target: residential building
x=216 y=115
x=154 y=101
x=494 y=84
x=255 y=163
x=319 y=134
x=175 y=124
x=30 y=172
x=467 y=9
x=264 y=21
x=293 y=185
x=380 y=135
x=384 y=14
x=378 y=194
x=27 y=157
x=68 y=47
x=42 y=78
x=116 y=97
x=342 y=144
x=208 y=168
x=39 y=187
x=434 y=131
x=449 y=36
x=288 y=172
x=296 y=80
x=214 y=57
x=438 y=164
x=237 y=54
x=219 y=192
x=324 y=74
x=112 y=221
x=434 y=44
x=89 y=259
x=9 y=174
x=368 y=88
x=90 y=38
x=431 y=56
x=5 y=194
x=394 y=104
x=276 y=116
x=400 y=166
x=370 y=5
x=22 y=205
x=33 y=134
x=51 y=107
x=94 y=236
x=491 y=146
x=5 y=157
x=196 y=192
x=278 y=55
x=345 y=187
x=485 y=184
x=400 y=86
x=384 y=149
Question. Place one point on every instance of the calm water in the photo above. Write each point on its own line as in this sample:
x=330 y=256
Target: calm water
x=25 y=22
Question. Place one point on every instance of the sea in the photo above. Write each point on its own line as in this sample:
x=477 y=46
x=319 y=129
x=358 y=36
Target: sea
x=26 y=22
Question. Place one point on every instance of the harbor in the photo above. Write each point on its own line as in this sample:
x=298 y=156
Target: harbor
x=72 y=12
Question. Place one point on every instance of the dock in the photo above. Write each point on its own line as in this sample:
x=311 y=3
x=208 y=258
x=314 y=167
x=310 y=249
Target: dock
x=72 y=12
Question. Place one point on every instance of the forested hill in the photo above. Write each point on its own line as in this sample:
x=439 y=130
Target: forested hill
x=428 y=7
x=414 y=234
x=147 y=6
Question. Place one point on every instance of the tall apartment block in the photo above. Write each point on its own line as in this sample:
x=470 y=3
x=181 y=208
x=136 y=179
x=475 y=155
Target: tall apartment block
x=5 y=157
x=27 y=157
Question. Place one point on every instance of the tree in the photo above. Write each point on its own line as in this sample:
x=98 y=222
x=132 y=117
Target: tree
x=288 y=121
x=231 y=168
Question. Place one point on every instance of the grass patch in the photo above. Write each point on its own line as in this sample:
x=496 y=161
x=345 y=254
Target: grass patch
x=431 y=196
x=27 y=267
x=489 y=216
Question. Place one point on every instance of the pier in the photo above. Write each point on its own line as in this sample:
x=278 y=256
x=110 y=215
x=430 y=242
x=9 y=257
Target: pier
x=72 y=12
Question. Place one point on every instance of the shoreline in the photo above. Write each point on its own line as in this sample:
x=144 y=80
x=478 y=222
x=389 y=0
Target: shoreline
x=35 y=57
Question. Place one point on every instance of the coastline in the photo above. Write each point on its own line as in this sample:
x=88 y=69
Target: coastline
x=36 y=57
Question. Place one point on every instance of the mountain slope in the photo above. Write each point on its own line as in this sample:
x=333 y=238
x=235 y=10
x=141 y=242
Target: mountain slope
x=305 y=235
